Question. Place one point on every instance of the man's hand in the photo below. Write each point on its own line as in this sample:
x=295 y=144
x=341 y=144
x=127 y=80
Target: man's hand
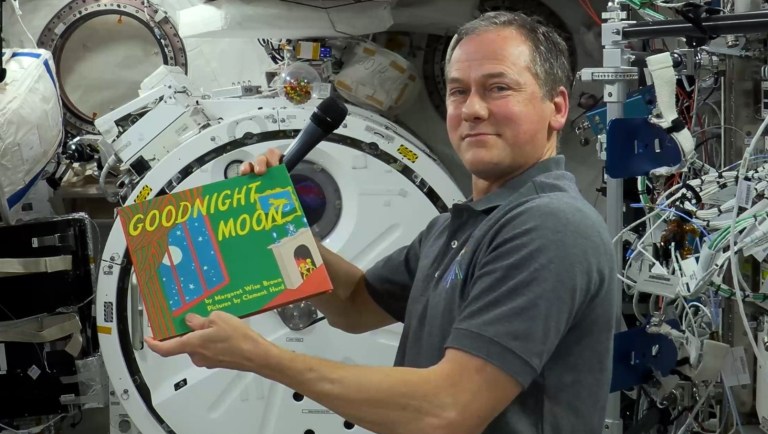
x=259 y=166
x=461 y=394
x=219 y=341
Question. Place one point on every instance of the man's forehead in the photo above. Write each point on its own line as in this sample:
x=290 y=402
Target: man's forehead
x=511 y=55
x=455 y=76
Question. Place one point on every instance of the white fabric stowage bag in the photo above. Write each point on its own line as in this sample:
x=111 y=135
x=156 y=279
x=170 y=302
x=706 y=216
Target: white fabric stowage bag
x=377 y=78
x=30 y=121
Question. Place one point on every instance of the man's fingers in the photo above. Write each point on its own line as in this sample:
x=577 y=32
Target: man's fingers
x=246 y=168
x=274 y=156
x=260 y=164
x=168 y=348
x=196 y=322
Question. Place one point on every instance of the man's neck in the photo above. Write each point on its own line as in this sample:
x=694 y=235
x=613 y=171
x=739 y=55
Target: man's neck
x=482 y=188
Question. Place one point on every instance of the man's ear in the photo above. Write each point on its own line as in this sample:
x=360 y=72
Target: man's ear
x=560 y=113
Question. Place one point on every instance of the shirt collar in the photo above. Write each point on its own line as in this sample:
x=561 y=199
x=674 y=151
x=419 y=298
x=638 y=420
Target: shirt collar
x=497 y=197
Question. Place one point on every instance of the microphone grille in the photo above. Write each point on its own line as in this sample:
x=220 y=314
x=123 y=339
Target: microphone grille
x=329 y=114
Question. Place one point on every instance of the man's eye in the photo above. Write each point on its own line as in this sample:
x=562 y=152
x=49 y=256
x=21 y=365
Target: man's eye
x=456 y=92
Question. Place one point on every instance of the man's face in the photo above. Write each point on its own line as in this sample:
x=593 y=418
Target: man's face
x=498 y=121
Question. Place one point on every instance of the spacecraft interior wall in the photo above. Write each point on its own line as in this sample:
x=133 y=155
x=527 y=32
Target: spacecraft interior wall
x=378 y=195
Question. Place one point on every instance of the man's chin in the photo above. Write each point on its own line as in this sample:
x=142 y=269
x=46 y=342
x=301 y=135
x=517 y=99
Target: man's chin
x=487 y=171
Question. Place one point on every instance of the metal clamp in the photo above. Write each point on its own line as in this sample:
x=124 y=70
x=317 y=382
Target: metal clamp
x=609 y=74
x=57 y=240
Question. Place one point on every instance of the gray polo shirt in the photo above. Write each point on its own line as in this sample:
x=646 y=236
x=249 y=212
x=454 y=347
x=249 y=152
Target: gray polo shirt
x=523 y=278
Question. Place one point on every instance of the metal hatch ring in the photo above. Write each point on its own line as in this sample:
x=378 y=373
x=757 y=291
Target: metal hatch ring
x=74 y=14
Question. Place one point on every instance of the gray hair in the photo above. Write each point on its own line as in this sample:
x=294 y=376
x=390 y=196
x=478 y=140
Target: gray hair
x=549 y=54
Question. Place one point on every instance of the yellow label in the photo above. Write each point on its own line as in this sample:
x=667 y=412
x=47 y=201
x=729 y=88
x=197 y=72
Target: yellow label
x=144 y=194
x=377 y=102
x=343 y=86
x=408 y=153
x=401 y=94
x=104 y=330
x=397 y=67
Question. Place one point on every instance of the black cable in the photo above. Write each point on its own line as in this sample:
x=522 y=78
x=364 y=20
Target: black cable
x=703 y=142
x=351 y=2
x=272 y=51
x=322 y=318
x=693 y=13
x=77 y=422
x=3 y=71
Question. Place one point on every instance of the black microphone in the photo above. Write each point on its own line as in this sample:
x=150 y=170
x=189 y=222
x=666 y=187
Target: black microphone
x=328 y=116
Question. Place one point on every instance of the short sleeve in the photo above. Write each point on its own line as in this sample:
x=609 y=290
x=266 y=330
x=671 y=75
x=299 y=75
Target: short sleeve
x=389 y=281
x=531 y=277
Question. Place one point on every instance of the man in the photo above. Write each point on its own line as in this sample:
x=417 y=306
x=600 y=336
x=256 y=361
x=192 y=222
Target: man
x=508 y=301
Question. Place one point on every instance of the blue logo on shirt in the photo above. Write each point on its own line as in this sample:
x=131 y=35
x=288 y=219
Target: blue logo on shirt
x=454 y=272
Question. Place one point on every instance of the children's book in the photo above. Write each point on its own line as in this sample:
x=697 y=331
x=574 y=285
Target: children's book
x=242 y=245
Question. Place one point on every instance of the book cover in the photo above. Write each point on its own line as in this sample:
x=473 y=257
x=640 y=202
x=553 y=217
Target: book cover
x=241 y=245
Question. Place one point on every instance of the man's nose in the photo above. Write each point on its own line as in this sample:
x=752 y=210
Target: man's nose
x=475 y=108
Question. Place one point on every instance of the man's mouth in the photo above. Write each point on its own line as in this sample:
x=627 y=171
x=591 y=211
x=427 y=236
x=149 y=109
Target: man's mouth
x=473 y=135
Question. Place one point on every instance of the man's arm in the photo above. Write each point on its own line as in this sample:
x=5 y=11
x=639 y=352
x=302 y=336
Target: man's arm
x=349 y=307
x=462 y=394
